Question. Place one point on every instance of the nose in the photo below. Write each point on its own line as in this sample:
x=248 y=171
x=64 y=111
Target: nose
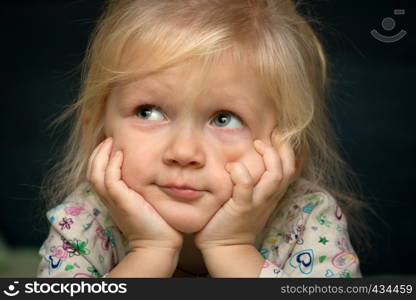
x=185 y=148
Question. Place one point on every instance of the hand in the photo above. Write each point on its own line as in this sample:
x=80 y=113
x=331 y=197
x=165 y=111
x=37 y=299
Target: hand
x=242 y=217
x=136 y=218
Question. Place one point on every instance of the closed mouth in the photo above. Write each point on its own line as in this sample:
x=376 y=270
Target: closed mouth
x=182 y=192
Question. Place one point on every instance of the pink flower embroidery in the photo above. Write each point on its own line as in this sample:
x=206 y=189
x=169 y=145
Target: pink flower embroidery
x=67 y=246
x=66 y=223
x=73 y=210
x=60 y=253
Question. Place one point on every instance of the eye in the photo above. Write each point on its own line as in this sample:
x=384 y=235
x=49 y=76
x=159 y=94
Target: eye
x=227 y=120
x=149 y=112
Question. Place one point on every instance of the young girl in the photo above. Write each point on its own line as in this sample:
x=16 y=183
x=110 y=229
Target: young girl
x=201 y=147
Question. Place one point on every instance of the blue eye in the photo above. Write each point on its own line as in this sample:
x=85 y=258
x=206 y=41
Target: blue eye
x=227 y=120
x=149 y=112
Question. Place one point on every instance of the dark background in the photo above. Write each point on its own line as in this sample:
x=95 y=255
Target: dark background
x=373 y=108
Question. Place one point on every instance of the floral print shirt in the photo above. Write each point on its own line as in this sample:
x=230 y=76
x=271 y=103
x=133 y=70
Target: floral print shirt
x=313 y=240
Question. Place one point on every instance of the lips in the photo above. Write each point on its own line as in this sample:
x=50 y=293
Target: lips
x=182 y=191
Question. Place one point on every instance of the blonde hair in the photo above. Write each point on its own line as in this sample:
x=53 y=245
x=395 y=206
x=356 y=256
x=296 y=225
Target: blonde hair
x=270 y=35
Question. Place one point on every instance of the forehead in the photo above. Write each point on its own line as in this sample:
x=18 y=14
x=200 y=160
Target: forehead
x=194 y=79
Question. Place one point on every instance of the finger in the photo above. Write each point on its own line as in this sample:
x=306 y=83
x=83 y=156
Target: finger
x=243 y=183
x=99 y=165
x=272 y=177
x=287 y=156
x=92 y=157
x=112 y=180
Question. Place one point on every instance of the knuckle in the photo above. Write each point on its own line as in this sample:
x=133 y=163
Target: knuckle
x=246 y=183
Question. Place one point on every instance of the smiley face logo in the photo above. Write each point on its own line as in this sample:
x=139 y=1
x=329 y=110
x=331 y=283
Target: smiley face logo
x=389 y=24
x=11 y=292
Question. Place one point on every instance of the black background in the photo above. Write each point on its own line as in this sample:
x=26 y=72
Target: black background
x=373 y=110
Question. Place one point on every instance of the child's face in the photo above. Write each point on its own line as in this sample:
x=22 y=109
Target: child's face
x=171 y=134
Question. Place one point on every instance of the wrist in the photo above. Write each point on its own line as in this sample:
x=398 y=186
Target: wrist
x=169 y=254
x=242 y=240
x=241 y=260
x=162 y=246
x=147 y=262
x=224 y=248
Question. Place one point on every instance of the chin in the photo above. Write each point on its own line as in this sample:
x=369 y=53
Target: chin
x=187 y=230
x=187 y=227
x=187 y=223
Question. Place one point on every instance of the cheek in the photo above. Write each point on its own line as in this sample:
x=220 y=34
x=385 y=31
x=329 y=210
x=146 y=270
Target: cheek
x=132 y=173
x=138 y=163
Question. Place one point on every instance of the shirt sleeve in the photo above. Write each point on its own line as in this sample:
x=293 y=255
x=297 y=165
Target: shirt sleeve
x=60 y=259
x=80 y=242
x=315 y=244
